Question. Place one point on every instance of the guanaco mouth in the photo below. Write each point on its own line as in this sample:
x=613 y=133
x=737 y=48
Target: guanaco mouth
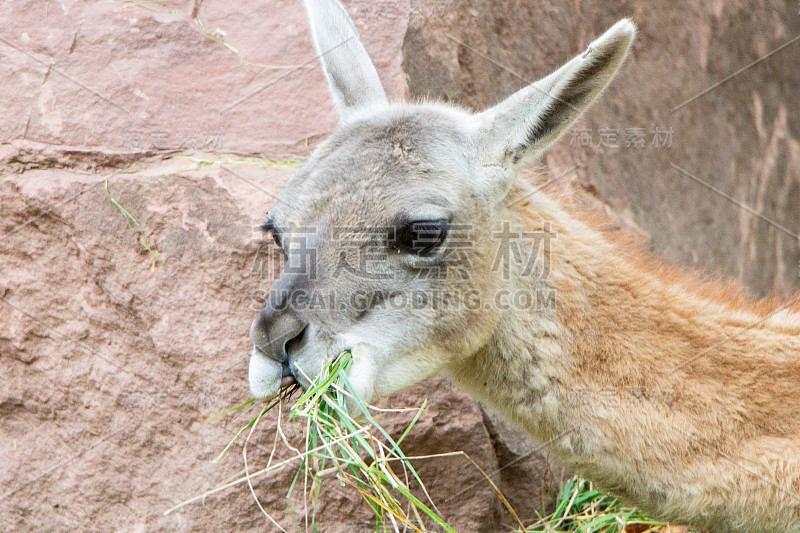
x=287 y=377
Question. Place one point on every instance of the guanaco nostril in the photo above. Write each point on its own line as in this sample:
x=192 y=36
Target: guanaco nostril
x=294 y=344
x=272 y=330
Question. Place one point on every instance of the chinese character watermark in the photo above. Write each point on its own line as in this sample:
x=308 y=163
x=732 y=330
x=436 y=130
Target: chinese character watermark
x=621 y=138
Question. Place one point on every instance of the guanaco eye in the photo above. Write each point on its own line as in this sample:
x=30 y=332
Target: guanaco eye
x=421 y=237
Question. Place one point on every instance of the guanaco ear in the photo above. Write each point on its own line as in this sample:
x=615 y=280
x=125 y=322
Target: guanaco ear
x=351 y=75
x=528 y=121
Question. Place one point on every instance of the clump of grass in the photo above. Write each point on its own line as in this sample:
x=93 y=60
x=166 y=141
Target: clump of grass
x=135 y=229
x=361 y=454
x=580 y=508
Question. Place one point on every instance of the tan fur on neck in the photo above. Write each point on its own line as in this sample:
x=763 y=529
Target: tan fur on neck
x=680 y=395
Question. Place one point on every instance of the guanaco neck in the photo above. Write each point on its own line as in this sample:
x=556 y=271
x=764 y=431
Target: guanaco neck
x=625 y=355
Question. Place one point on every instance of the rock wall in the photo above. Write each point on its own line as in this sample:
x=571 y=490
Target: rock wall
x=112 y=357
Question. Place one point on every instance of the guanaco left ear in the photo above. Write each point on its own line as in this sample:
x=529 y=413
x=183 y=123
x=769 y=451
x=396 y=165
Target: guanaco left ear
x=530 y=120
x=351 y=76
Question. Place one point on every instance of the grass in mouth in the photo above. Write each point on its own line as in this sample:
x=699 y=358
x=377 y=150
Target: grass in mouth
x=353 y=447
x=357 y=450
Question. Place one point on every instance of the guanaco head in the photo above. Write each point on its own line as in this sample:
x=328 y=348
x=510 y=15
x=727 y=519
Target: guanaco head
x=388 y=229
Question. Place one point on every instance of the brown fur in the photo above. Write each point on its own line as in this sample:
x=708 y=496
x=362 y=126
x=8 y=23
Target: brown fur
x=680 y=395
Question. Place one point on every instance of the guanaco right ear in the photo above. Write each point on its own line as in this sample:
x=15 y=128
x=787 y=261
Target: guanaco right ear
x=351 y=75
x=530 y=120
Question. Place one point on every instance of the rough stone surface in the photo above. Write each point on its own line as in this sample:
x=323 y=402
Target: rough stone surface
x=134 y=76
x=109 y=367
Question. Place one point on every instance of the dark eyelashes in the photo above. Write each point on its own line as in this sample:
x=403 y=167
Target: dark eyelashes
x=276 y=236
x=422 y=237
x=269 y=227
